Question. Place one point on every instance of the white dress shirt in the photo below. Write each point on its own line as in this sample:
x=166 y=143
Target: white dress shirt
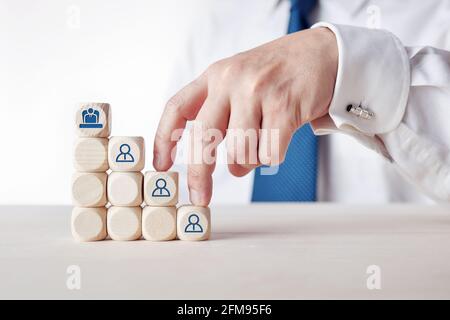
x=393 y=62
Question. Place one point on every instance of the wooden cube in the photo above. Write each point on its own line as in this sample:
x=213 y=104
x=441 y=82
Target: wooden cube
x=88 y=224
x=159 y=223
x=125 y=188
x=124 y=223
x=89 y=189
x=161 y=188
x=93 y=119
x=193 y=223
x=126 y=153
x=91 y=155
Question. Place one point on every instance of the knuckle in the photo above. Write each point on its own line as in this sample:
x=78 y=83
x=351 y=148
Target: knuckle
x=241 y=153
x=160 y=137
x=255 y=84
x=279 y=97
x=242 y=146
x=228 y=69
x=280 y=117
x=216 y=68
x=175 y=103
x=236 y=154
x=194 y=173
x=277 y=107
x=235 y=68
x=198 y=175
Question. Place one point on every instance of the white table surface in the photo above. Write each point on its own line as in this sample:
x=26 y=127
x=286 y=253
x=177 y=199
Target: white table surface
x=256 y=252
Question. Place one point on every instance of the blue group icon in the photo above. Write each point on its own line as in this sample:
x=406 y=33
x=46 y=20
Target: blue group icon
x=90 y=119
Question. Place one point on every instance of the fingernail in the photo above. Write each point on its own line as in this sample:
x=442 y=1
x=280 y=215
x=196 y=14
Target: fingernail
x=196 y=198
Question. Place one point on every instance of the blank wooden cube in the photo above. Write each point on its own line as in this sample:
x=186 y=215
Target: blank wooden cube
x=193 y=223
x=91 y=155
x=125 y=188
x=89 y=189
x=124 y=223
x=161 y=188
x=93 y=119
x=88 y=224
x=159 y=223
x=126 y=153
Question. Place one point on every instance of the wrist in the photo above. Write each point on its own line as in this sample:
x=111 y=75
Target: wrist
x=323 y=50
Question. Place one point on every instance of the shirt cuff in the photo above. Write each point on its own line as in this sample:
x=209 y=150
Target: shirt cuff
x=373 y=74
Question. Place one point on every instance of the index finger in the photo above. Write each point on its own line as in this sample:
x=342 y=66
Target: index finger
x=182 y=107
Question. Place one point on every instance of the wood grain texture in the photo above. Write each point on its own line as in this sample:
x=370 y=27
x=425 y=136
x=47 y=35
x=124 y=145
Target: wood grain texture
x=161 y=188
x=100 y=128
x=124 y=223
x=88 y=224
x=193 y=223
x=91 y=155
x=125 y=188
x=89 y=189
x=126 y=153
x=159 y=223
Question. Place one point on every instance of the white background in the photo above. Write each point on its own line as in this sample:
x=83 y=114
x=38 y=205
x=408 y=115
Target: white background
x=132 y=54
x=56 y=53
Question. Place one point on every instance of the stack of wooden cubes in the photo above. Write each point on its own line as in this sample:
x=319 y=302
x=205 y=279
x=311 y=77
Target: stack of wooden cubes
x=126 y=156
x=125 y=189
x=93 y=127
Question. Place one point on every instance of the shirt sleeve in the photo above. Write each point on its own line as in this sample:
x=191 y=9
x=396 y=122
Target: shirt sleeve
x=396 y=101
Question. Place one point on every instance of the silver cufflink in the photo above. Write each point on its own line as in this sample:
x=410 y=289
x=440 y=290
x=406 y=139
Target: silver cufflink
x=360 y=112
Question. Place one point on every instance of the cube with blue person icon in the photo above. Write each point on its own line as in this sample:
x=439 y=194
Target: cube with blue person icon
x=93 y=119
x=126 y=153
x=193 y=223
x=161 y=188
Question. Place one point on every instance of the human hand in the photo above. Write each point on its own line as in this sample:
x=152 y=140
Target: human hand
x=278 y=86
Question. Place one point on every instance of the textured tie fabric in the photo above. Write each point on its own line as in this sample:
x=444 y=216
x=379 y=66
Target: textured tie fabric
x=296 y=178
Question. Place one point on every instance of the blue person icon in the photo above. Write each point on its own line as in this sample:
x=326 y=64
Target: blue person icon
x=161 y=190
x=193 y=226
x=90 y=118
x=125 y=153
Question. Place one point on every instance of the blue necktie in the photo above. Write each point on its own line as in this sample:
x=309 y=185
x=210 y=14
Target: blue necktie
x=297 y=175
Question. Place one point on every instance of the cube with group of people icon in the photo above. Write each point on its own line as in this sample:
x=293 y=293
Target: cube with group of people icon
x=113 y=198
